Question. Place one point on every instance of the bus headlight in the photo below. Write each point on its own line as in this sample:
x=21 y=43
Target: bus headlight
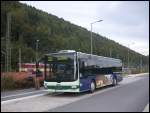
x=74 y=87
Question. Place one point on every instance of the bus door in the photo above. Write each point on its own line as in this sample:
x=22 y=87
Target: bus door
x=84 y=78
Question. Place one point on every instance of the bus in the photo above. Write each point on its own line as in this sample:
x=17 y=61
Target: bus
x=71 y=71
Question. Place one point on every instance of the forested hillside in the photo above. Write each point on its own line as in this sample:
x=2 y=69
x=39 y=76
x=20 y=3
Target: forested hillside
x=29 y=24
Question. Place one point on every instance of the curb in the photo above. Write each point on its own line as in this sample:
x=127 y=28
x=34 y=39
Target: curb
x=22 y=98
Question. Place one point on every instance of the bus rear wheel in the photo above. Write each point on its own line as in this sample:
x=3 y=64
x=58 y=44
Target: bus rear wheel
x=92 y=87
x=114 y=82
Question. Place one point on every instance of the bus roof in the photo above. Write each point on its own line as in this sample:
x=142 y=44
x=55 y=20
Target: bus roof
x=96 y=56
x=62 y=52
x=100 y=61
x=82 y=54
x=93 y=59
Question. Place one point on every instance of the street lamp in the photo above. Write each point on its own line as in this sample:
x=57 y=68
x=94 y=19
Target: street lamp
x=37 y=50
x=91 y=34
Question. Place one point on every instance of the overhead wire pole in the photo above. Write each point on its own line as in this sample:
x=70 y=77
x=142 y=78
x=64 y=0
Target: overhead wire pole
x=141 y=64
x=19 y=59
x=37 y=50
x=91 y=39
x=19 y=53
x=8 y=51
x=37 y=84
x=128 y=56
x=5 y=67
x=110 y=52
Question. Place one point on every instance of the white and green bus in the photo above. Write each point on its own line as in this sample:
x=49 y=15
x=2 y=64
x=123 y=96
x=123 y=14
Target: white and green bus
x=71 y=71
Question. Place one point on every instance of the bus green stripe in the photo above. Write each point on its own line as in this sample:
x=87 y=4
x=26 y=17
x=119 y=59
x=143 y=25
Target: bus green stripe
x=62 y=87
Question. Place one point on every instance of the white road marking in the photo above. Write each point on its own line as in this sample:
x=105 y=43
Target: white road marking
x=22 y=94
x=22 y=98
x=28 y=97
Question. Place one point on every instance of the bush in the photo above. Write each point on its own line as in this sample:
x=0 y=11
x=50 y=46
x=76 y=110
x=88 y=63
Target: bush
x=7 y=83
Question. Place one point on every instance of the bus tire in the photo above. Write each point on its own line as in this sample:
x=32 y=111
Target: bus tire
x=114 y=82
x=92 y=87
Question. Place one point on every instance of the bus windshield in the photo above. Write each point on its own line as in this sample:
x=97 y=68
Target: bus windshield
x=60 y=69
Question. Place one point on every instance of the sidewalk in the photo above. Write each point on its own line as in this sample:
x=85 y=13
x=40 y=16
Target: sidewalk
x=139 y=74
x=146 y=109
x=135 y=75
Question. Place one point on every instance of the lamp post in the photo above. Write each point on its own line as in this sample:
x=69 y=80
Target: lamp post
x=91 y=35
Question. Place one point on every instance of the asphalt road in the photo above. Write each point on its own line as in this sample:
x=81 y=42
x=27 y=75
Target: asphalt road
x=132 y=97
x=132 y=94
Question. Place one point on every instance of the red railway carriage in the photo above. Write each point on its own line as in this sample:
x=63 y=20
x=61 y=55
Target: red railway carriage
x=27 y=67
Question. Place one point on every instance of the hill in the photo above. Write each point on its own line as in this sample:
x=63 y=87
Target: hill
x=29 y=24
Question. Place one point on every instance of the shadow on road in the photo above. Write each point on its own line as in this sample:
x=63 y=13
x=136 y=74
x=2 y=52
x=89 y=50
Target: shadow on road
x=66 y=94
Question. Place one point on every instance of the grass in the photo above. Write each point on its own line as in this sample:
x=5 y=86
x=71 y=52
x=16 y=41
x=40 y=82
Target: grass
x=135 y=71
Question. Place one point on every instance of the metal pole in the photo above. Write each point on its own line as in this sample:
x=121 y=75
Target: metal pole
x=128 y=56
x=10 y=59
x=8 y=43
x=19 y=59
x=6 y=62
x=141 y=63
x=110 y=52
x=91 y=36
x=37 y=50
x=91 y=40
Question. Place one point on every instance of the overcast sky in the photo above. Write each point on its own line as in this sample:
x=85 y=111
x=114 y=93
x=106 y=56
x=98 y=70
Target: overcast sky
x=126 y=22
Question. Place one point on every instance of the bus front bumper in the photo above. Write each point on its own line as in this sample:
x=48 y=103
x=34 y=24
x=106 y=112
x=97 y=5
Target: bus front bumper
x=62 y=88
x=69 y=90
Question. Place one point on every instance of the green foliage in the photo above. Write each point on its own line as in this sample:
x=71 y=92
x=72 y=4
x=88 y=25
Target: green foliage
x=29 y=24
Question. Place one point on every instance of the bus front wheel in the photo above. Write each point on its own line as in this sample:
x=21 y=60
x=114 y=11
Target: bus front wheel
x=92 y=87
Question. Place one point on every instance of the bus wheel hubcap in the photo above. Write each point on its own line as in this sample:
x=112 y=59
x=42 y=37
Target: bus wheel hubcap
x=115 y=82
x=92 y=87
